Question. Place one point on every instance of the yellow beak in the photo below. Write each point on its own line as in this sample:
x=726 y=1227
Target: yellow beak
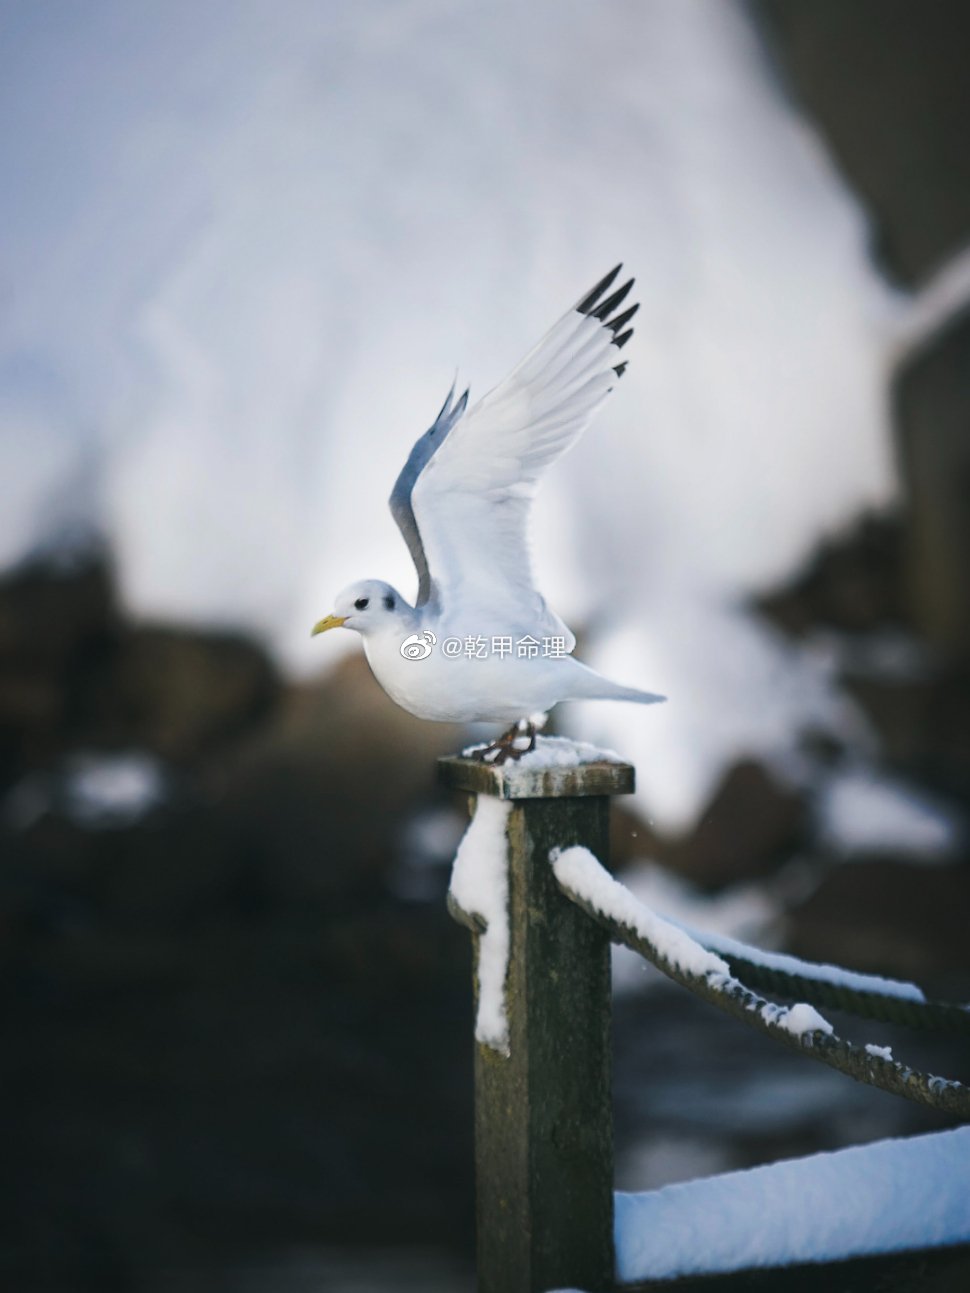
x=329 y=622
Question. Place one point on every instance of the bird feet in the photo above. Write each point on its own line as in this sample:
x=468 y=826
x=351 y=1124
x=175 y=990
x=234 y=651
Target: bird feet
x=518 y=740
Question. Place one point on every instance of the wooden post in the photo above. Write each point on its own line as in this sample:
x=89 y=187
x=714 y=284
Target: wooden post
x=543 y=1114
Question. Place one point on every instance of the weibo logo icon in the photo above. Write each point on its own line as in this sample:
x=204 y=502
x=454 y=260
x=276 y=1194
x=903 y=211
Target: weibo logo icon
x=418 y=645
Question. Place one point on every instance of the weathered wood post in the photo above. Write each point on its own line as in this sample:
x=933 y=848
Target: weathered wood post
x=543 y=1113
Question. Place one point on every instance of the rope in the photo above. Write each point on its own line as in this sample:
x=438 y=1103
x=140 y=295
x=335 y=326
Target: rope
x=865 y=996
x=731 y=996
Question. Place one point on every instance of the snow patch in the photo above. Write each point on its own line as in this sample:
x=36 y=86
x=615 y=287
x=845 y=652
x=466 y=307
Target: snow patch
x=859 y=812
x=114 y=790
x=745 y=910
x=561 y=752
x=820 y=972
x=93 y=790
x=879 y=1198
x=553 y=752
x=797 y=1020
x=882 y=1052
x=582 y=874
x=480 y=886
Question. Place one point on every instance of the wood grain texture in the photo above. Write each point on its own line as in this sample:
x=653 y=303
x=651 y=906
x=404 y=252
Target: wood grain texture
x=512 y=782
x=543 y=1114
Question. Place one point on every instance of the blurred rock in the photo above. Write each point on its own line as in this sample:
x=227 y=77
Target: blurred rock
x=246 y=1084
x=751 y=825
x=73 y=671
x=307 y=810
x=182 y=692
x=923 y=726
x=273 y=794
x=887 y=917
x=932 y=410
x=853 y=583
x=50 y=606
x=220 y=1019
x=886 y=81
x=56 y=613
x=322 y=792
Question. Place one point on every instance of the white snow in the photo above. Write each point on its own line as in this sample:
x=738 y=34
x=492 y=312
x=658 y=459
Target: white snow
x=882 y=1052
x=885 y=1197
x=114 y=789
x=891 y=655
x=819 y=971
x=480 y=886
x=553 y=752
x=744 y=910
x=246 y=245
x=747 y=695
x=563 y=752
x=577 y=868
x=860 y=812
x=798 y=1019
x=95 y=790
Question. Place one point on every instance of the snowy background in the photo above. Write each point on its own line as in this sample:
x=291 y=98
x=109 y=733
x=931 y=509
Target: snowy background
x=246 y=247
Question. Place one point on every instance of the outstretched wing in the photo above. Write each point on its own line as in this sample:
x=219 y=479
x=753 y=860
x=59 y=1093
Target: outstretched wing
x=472 y=495
x=400 y=500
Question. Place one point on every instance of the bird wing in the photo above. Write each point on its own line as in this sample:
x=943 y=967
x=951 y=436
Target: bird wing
x=400 y=500
x=472 y=494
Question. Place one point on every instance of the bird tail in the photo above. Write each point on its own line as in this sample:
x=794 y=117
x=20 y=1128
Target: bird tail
x=593 y=686
x=616 y=692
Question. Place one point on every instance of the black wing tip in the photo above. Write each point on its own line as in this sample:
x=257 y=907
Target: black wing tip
x=603 y=312
x=586 y=305
x=595 y=307
x=621 y=320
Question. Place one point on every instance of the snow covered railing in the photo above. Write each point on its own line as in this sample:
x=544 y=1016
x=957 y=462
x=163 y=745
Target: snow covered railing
x=673 y=951
x=531 y=882
x=869 y=996
x=891 y=1197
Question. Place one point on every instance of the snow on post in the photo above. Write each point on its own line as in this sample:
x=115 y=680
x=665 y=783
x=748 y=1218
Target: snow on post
x=543 y=1113
x=480 y=887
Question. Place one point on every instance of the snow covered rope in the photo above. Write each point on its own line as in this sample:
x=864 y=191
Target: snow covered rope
x=708 y=975
x=890 y=1001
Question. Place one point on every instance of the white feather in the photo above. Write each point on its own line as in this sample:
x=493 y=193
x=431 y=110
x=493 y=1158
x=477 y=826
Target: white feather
x=472 y=500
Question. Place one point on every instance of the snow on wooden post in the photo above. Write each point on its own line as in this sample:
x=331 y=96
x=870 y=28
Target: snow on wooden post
x=543 y=1103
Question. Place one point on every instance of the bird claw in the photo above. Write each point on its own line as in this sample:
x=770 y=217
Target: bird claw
x=518 y=740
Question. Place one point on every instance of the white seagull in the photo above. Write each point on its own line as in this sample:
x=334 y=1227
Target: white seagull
x=480 y=644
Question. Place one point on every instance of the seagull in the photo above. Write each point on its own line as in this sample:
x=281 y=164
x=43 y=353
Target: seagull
x=480 y=644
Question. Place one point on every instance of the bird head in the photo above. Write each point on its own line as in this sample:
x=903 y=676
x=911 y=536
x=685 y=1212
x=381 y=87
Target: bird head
x=367 y=606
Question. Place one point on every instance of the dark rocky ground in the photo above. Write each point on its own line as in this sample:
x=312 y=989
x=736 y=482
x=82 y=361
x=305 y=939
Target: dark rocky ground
x=235 y=1016
x=223 y=1028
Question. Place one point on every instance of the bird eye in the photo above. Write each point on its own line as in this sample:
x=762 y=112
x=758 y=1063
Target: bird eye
x=361 y=603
